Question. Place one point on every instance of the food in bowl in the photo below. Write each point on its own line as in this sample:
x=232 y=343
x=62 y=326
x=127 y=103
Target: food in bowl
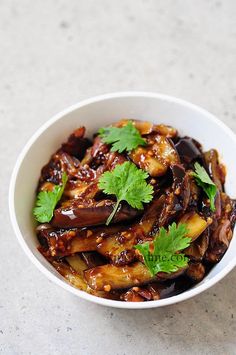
x=139 y=213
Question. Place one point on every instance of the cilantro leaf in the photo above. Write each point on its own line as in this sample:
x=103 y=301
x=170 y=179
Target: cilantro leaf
x=127 y=183
x=204 y=181
x=123 y=138
x=166 y=245
x=47 y=201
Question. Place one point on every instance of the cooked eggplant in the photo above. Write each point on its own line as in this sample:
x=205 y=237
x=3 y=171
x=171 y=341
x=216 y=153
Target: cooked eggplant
x=76 y=278
x=198 y=248
x=77 y=213
x=77 y=144
x=71 y=275
x=77 y=263
x=219 y=241
x=118 y=277
x=195 y=224
x=102 y=260
x=63 y=242
x=216 y=169
x=181 y=187
x=134 y=296
x=188 y=150
x=92 y=259
x=157 y=290
x=157 y=157
x=146 y=128
x=177 y=196
x=196 y=272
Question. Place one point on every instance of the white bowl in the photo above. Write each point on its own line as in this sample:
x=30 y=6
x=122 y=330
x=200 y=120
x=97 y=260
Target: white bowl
x=94 y=113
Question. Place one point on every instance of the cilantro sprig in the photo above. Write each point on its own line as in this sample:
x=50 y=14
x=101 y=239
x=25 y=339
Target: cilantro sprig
x=204 y=181
x=123 y=138
x=165 y=256
x=47 y=201
x=127 y=183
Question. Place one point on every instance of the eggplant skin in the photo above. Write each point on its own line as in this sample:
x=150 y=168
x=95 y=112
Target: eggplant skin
x=196 y=272
x=188 y=150
x=91 y=214
x=76 y=144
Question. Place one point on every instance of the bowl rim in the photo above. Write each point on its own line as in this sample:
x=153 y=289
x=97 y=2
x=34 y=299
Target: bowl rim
x=63 y=283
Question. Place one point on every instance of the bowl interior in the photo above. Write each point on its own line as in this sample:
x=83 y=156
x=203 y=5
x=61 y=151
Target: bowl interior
x=187 y=118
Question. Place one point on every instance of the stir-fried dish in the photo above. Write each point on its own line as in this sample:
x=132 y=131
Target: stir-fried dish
x=136 y=214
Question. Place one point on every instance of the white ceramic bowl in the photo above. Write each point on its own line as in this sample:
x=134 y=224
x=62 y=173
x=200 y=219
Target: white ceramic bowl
x=94 y=113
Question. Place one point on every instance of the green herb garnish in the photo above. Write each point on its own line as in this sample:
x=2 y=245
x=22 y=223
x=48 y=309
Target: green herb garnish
x=166 y=245
x=124 y=138
x=127 y=183
x=204 y=181
x=47 y=201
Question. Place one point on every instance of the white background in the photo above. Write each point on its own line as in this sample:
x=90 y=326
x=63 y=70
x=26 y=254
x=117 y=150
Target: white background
x=55 y=53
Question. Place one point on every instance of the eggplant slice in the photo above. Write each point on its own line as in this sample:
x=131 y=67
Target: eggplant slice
x=157 y=157
x=118 y=277
x=76 y=213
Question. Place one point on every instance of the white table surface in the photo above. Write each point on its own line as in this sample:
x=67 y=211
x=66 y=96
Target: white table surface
x=54 y=53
